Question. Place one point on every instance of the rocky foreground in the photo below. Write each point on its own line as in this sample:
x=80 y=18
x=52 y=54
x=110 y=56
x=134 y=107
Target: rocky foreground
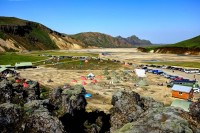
x=62 y=110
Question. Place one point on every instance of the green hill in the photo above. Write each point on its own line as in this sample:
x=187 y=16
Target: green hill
x=190 y=43
x=190 y=46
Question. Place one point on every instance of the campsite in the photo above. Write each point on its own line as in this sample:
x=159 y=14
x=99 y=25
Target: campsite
x=111 y=74
x=88 y=83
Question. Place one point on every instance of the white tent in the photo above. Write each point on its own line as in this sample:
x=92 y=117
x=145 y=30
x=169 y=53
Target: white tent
x=140 y=72
x=90 y=75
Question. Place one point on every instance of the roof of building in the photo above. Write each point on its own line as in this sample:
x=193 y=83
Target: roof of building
x=5 y=66
x=21 y=64
x=181 y=88
x=3 y=69
x=181 y=104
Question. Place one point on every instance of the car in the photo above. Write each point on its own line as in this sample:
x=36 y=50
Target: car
x=196 y=90
x=173 y=77
x=149 y=70
x=187 y=71
x=194 y=71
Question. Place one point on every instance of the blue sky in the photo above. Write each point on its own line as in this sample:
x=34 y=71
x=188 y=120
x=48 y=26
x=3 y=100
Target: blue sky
x=160 y=21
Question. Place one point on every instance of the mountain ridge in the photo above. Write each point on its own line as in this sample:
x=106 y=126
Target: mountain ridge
x=18 y=34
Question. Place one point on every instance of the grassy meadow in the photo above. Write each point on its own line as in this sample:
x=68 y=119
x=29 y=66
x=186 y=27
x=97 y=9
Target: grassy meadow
x=60 y=53
x=12 y=58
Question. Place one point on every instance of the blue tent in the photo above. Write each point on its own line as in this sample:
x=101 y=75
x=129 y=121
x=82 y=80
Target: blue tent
x=88 y=95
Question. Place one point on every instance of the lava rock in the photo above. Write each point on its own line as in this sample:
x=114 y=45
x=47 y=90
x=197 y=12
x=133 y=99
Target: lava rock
x=10 y=117
x=38 y=119
x=6 y=91
x=195 y=110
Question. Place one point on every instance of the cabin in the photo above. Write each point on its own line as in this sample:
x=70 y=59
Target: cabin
x=182 y=92
x=23 y=65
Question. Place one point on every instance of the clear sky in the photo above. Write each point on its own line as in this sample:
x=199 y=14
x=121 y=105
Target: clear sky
x=160 y=21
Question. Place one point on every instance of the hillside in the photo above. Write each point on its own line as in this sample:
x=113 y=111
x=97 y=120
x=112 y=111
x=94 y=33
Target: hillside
x=190 y=46
x=18 y=35
x=134 y=40
x=103 y=40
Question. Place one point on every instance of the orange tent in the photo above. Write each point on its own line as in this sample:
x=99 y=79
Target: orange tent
x=25 y=85
x=83 y=78
x=84 y=83
x=74 y=80
x=17 y=80
x=94 y=81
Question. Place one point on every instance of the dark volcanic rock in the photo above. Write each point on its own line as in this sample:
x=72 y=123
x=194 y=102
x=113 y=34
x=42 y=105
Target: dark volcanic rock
x=159 y=120
x=6 y=91
x=195 y=110
x=39 y=119
x=127 y=107
x=10 y=117
x=132 y=114
x=69 y=100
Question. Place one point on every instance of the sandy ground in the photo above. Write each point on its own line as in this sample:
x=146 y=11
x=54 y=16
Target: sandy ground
x=132 y=55
x=102 y=91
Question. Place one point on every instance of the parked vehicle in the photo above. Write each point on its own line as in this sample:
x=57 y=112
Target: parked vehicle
x=178 y=78
x=149 y=70
x=166 y=75
x=194 y=70
x=196 y=90
x=186 y=70
x=173 y=77
x=192 y=83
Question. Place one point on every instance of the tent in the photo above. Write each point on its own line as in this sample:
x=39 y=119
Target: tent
x=25 y=85
x=84 y=83
x=126 y=64
x=83 y=78
x=94 y=81
x=88 y=95
x=90 y=76
x=142 y=83
x=140 y=72
x=74 y=80
x=181 y=104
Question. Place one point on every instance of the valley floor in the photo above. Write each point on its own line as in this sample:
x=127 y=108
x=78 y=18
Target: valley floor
x=102 y=91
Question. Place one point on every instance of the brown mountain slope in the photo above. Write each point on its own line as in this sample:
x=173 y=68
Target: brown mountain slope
x=100 y=40
x=17 y=34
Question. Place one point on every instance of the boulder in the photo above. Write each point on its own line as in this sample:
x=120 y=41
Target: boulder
x=69 y=100
x=160 y=120
x=6 y=91
x=38 y=118
x=134 y=114
x=10 y=117
x=195 y=110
